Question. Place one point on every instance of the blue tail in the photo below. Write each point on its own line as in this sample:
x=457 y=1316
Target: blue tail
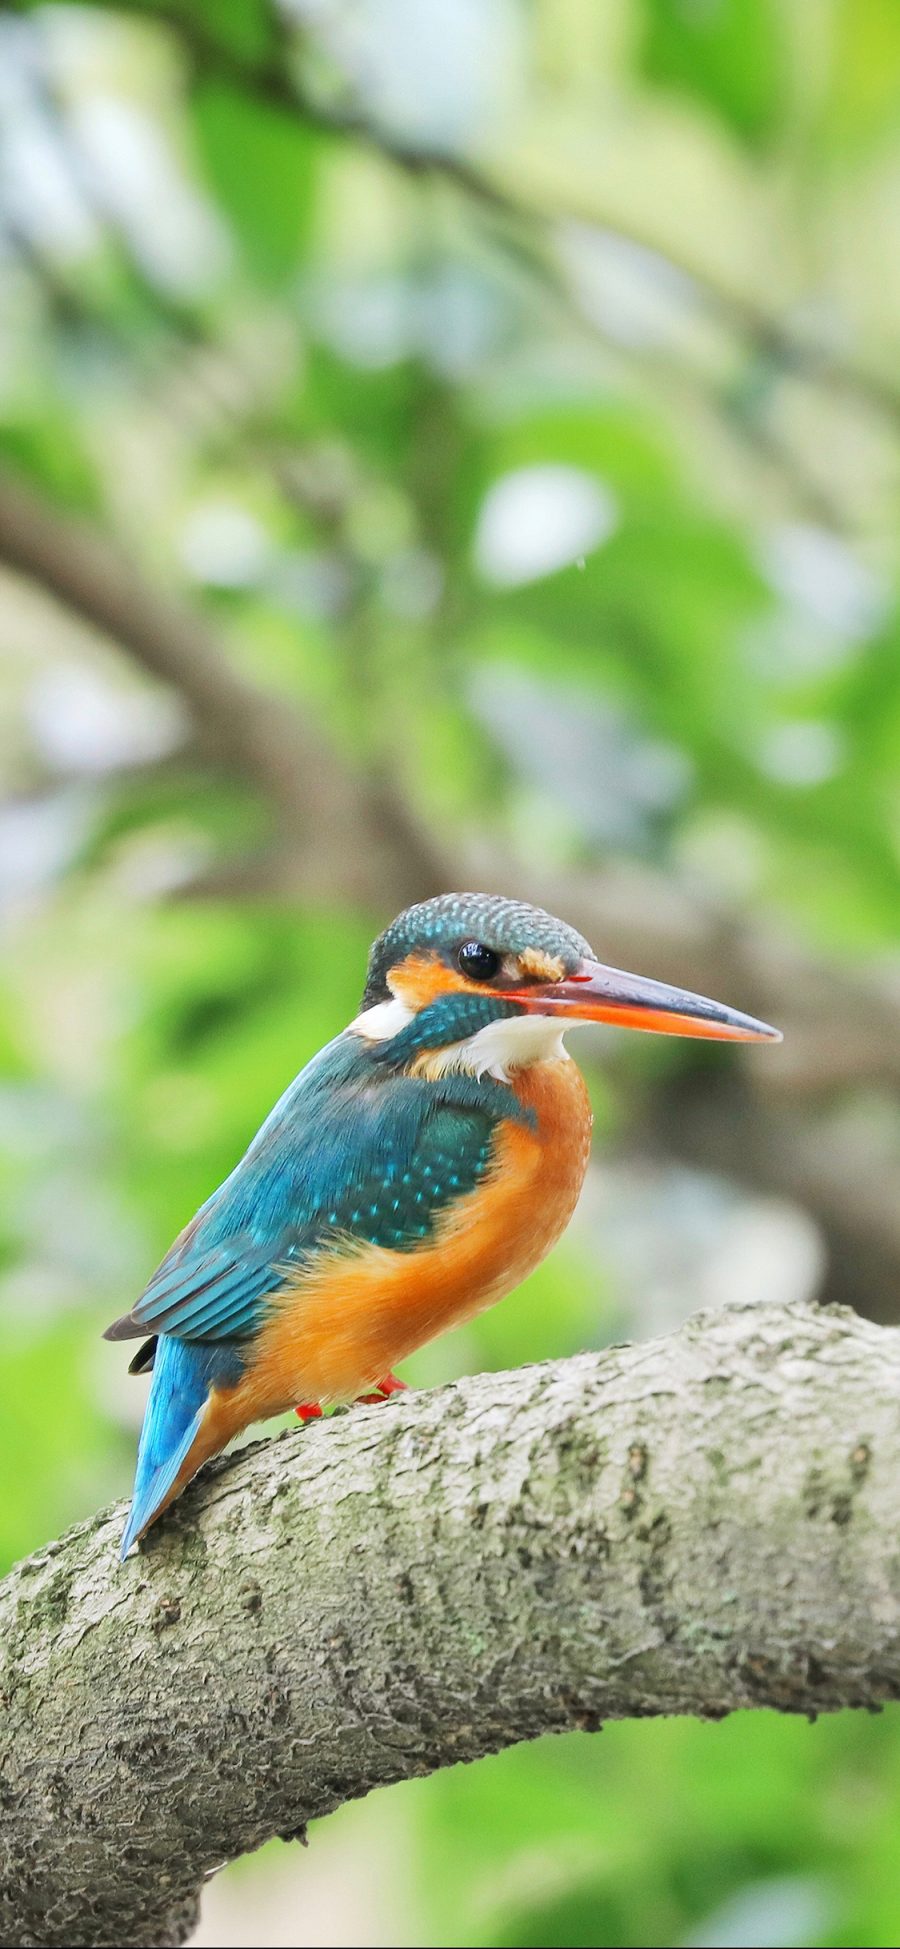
x=181 y=1382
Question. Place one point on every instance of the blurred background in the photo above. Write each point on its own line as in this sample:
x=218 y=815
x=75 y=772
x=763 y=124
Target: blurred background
x=455 y=443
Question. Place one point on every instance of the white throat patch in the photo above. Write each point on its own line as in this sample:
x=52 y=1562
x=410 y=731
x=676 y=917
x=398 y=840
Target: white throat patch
x=503 y=1045
x=511 y=1042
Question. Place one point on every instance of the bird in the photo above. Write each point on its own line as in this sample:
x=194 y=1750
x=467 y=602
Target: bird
x=414 y=1172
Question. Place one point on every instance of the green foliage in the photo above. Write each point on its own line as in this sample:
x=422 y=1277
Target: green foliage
x=727 y=54
x=294 y=377
x=754 y=1802
x=261 y=168
x=58 y=1456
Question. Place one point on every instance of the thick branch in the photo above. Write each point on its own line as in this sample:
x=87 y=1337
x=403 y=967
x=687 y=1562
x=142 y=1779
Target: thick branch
x=689 y=1526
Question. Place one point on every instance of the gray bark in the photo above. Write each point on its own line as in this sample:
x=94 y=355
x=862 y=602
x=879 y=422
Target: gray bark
x=688 y=1526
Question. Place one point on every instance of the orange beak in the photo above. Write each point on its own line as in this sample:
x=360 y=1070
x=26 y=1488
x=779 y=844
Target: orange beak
x=598 y=994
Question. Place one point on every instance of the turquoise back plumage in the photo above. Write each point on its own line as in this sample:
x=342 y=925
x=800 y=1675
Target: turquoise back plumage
x=350 y=1149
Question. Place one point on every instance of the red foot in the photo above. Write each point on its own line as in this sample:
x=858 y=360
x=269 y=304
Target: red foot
x=308 y=1411
x=390 y=1385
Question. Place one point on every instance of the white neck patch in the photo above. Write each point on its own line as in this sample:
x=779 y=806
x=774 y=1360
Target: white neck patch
x=382 y=1021
x=511 y=1042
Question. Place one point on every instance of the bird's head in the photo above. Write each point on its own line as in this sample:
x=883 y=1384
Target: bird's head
x=476 y=982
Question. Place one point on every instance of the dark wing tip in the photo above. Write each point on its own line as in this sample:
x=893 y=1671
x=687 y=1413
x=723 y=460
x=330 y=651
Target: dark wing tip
x=144 y=1358
x=127 y=1328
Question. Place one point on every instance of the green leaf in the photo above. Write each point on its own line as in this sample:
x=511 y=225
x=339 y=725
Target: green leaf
x=243 y=29
x=863 y=99
x=46 y=447
x=261 y=164
x=59 y=1457
x=725 y=53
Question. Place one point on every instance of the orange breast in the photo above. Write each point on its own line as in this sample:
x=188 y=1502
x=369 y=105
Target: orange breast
x=359 y=1310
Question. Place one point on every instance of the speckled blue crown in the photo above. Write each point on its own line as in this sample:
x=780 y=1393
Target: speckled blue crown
x=442 y=924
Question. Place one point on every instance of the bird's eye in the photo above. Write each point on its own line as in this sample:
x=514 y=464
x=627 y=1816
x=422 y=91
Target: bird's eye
x=480 y=963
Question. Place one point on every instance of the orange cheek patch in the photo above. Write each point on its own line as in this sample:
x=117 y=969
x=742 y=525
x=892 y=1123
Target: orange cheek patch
x=421 y=978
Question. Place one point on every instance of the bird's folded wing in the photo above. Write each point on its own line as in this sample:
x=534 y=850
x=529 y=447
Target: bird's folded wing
x=386 y=1185
x=202 y=1295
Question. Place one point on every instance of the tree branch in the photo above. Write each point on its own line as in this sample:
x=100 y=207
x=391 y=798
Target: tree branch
x=693 y=1525
x=321 y=806
x=273 y=78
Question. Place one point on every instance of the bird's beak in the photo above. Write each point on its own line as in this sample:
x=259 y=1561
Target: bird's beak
x=594 y=993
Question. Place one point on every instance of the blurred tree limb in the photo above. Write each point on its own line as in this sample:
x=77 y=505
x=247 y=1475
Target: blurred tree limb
x=527 y=229
x=692 y=1525
x=273 y=72
x=322 y=809
x=363 y=840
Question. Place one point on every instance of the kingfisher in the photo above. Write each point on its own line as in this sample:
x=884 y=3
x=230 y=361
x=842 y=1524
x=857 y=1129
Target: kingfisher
x=413 y=1173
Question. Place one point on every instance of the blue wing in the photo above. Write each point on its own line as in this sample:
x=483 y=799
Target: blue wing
x=349 y=1151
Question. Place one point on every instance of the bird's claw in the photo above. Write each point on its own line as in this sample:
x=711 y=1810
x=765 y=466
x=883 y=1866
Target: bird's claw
x=310 y=1410
x=385 y=1388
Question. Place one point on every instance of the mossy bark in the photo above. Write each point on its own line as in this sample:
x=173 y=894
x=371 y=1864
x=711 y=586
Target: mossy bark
x=688 y=1526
